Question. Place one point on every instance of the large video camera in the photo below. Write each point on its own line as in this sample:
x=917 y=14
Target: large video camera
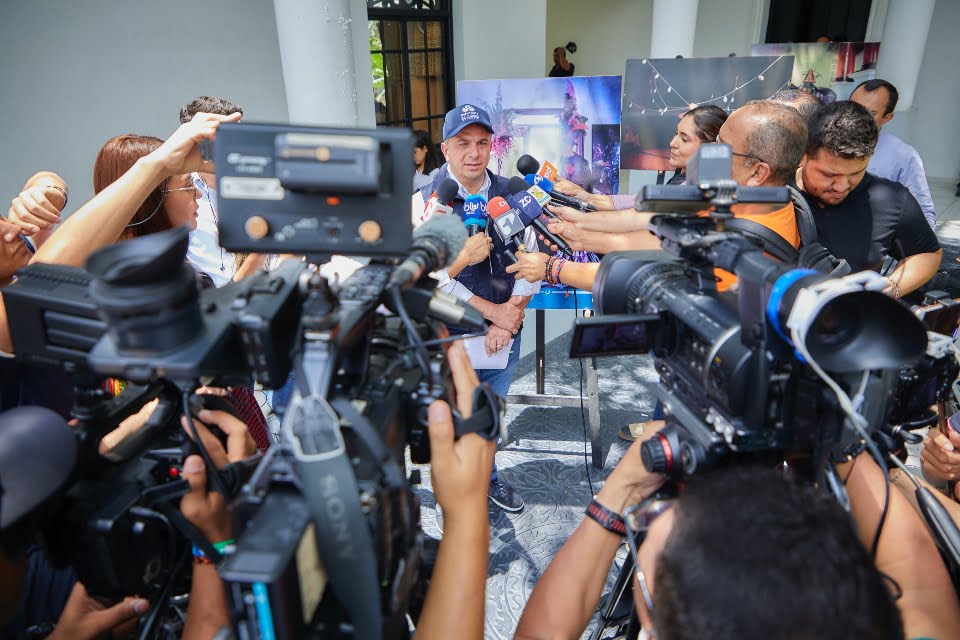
x=743 y=372
x=328 y=542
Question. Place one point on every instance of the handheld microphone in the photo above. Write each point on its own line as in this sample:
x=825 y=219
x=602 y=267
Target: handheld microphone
x=533 y=174
x=475 y=214
x=436 y=244
x=507 y=224
x=441 y=200
x=528 y=204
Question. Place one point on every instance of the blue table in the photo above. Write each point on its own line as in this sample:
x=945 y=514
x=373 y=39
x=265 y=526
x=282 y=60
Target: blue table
x=555 y=298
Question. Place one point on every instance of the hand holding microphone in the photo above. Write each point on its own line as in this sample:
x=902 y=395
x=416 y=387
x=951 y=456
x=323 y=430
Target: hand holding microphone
x=476 y=249
x=535 y=175
x=530 y=203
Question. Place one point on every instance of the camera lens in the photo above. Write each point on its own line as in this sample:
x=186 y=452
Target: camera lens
x=836 y=325
x=656 y=455
x=146 y=292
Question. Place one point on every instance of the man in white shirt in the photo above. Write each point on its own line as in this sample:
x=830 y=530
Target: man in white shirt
x=893 y=158
x=205 y=253
x=478 y=276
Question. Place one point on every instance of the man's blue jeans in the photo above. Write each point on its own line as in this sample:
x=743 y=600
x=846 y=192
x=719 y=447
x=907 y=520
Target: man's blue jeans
x=500 y=379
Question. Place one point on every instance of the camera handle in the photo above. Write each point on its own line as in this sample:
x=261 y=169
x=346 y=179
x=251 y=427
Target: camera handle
x=311 y=428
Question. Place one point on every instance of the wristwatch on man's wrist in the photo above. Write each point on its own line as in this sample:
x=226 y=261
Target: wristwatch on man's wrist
x=609 y=520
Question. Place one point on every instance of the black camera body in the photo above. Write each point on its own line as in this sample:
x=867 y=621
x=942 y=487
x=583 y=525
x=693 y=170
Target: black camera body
x=737 y=368
x=326 y=524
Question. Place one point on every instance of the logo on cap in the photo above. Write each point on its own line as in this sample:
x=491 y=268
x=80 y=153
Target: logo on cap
x=468 y=113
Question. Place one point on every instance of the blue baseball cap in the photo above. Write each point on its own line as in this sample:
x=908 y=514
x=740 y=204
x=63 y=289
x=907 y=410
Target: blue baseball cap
x=464 y=116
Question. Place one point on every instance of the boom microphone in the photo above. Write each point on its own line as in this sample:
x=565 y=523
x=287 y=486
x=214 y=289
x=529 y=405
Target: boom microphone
x=530 y=203
x=436 y=244
x=507 y=224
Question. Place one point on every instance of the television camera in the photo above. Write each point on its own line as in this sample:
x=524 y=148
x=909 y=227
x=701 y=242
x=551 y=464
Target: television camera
x=328 y=542
x=788 y=366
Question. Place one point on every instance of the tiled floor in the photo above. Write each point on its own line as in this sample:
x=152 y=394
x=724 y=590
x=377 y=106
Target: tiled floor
x=545 y=458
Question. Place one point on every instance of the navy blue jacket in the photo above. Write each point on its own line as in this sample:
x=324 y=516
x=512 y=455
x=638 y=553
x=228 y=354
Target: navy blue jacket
x=488 y=279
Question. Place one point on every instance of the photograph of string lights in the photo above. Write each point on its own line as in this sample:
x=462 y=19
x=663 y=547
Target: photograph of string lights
x=658 y=92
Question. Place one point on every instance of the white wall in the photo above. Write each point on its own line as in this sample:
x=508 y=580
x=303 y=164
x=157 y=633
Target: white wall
x=933 y=126
x=75 y=74
x=607 y=33
x=495 y=39
x=727 y=26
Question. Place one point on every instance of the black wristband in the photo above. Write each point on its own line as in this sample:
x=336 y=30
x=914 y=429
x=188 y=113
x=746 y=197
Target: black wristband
x=854 y=449
x=609 y=520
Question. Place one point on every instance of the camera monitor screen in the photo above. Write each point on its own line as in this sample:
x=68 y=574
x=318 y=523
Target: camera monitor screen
x=614 y=335
x=314 y=190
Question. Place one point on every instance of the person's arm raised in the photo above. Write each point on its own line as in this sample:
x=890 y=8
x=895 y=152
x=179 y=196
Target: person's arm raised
x=101 y=220
x=460 y=470
x=622 y=221
x=567 y=594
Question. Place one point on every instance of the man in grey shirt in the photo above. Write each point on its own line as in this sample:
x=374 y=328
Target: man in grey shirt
x=894 y=159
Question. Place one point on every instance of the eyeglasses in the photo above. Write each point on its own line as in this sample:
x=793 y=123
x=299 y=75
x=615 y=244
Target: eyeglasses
x=742 y=155
x=638 y=519
x=192 y=187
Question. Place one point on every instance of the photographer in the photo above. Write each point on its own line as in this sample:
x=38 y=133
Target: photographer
x=103 y=219
x=207 y=511
x=454 y=607
x=33 y=595
x=737 y=532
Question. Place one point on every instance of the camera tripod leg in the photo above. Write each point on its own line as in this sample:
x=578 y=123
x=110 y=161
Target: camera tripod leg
x=622 y=588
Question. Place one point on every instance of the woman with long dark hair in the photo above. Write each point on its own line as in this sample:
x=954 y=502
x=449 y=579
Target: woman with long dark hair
x=425 y=159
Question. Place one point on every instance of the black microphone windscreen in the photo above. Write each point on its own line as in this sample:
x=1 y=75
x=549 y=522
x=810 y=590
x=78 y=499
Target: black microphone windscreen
x=527 y=164
x=445 y=230
x=517 y=184
x=447 y=190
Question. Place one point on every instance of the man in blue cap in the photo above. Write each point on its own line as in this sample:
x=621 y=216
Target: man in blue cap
x=479 y=276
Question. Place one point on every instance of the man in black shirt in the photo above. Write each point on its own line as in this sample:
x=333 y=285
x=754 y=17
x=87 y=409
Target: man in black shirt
x=860 y=217
x=562 y=68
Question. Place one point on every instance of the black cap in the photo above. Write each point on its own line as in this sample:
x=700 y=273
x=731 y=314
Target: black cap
x=37 y=454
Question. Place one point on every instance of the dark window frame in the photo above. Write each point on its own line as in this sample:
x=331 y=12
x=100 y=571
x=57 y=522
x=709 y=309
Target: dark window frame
x=417 y=11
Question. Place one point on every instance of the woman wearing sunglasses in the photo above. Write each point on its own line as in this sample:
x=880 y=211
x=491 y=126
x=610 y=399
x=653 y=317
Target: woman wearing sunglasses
x=743 y=553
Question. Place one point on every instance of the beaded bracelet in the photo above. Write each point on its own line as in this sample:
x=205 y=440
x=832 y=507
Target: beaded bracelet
x=548 y=271
x=560 y=263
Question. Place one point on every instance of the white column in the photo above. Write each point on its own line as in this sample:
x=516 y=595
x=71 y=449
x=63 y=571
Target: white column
x=903 y=44
x=674 y=26
x=325 y=53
